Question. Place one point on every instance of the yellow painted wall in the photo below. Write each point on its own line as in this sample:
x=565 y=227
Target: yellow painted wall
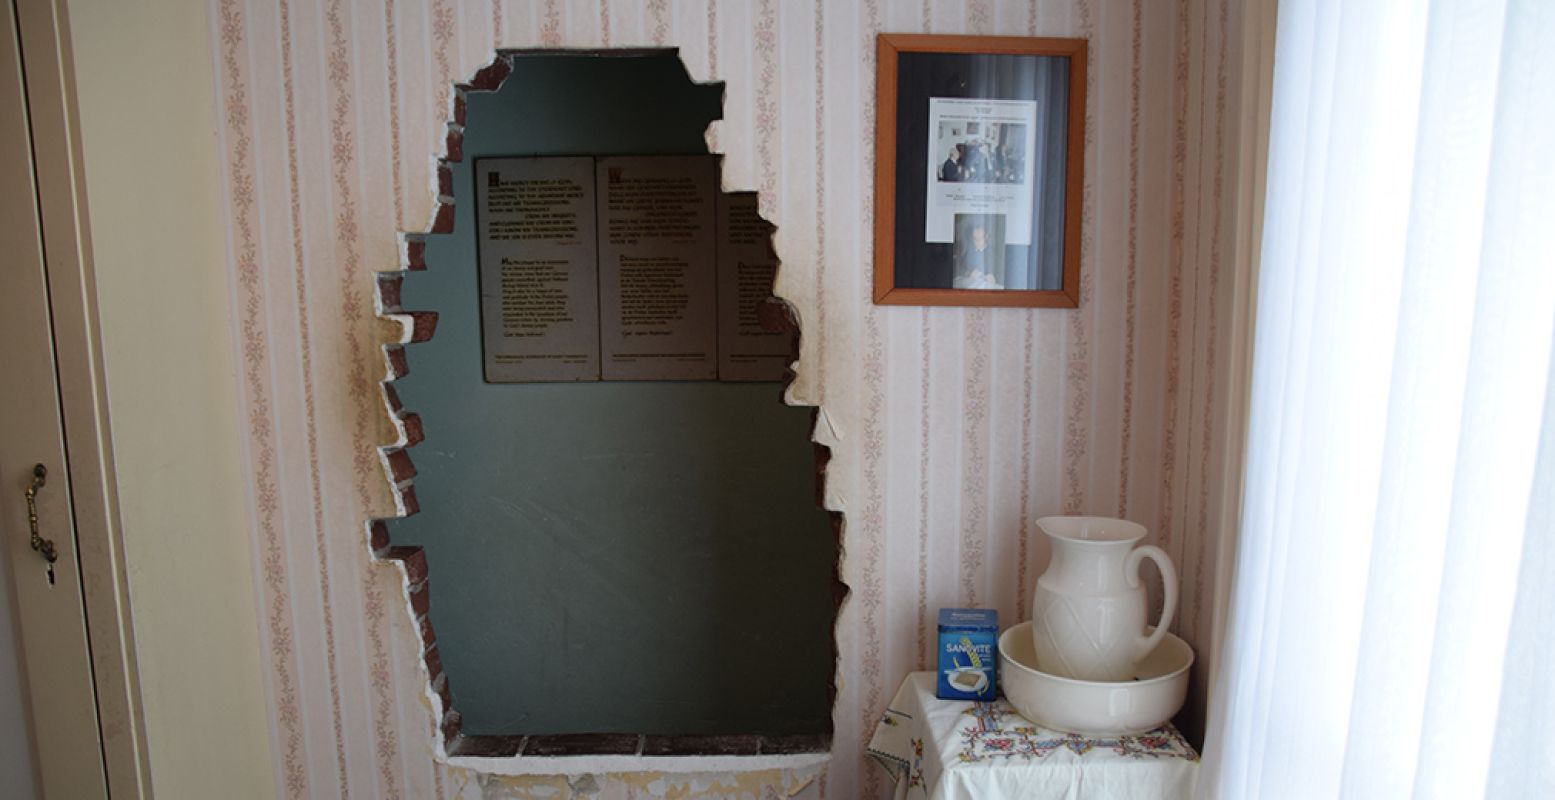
x=144 y=77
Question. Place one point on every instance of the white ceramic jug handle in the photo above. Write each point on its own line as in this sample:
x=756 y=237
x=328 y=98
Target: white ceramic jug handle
x=1168 y=585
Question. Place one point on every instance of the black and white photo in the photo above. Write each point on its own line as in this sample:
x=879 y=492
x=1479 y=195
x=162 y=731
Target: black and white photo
x=979 y=253
x=978 y=170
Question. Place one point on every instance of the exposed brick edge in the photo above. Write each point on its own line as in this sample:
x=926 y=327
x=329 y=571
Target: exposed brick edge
x=635 y=744
x=400 y=471
x=398 y=467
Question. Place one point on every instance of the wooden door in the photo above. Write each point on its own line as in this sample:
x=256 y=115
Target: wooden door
x=48 y=596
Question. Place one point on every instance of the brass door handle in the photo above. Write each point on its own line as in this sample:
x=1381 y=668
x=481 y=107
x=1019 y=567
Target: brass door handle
x=40 y=544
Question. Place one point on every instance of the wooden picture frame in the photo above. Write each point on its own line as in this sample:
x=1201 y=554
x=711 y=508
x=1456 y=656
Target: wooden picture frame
x=979 y=170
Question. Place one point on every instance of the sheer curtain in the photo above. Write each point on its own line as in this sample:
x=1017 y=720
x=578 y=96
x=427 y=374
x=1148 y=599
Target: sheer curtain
x=1393 y=605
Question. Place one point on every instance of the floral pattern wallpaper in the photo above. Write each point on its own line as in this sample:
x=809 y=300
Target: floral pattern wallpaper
x=952 y=429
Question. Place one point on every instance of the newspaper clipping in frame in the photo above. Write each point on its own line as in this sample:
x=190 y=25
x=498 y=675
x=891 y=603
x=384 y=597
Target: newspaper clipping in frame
x=980 y=183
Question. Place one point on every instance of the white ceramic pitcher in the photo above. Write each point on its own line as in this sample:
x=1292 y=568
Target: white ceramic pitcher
x=1088 y=613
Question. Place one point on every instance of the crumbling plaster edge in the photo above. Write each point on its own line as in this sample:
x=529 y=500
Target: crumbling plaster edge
x=595 y=765
x=410 y=561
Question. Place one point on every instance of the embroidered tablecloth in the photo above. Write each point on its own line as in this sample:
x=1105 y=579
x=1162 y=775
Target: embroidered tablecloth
x=960 y=750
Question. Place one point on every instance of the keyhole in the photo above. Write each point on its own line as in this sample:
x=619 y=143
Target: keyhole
x=51 y=574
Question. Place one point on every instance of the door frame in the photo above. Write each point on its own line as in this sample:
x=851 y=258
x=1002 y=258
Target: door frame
x=62 y=203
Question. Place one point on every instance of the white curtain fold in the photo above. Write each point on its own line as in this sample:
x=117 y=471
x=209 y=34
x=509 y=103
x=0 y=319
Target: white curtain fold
x=1391 y=612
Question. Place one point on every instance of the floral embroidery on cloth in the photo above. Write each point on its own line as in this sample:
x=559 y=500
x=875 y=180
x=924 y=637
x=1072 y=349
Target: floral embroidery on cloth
x=937 y=749
x=995 y=731
x=886 y=746
x=915 y=777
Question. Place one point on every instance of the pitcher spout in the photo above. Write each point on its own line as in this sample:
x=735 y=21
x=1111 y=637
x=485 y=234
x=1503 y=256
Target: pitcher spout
x=1088 y=552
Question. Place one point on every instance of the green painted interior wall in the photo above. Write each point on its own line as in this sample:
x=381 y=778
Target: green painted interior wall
x=610 y=557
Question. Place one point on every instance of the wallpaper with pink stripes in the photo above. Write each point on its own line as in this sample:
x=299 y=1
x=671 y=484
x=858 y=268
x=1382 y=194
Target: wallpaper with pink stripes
x=952 y=429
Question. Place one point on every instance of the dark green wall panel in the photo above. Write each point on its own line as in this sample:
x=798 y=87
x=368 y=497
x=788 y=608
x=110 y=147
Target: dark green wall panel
x=610 y=557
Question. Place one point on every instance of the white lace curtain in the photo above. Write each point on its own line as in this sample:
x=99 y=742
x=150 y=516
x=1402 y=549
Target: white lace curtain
x=1393 y=605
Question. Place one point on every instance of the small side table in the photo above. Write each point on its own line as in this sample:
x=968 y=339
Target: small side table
x=961 y=750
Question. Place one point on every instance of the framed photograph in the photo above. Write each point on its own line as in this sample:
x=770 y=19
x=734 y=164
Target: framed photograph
x=979 y=170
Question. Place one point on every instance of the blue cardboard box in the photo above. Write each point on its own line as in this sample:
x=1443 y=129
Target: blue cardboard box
x=968 y=654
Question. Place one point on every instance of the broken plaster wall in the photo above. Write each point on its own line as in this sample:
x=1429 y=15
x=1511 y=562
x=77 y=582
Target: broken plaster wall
x=952 y=429
x=761 y=785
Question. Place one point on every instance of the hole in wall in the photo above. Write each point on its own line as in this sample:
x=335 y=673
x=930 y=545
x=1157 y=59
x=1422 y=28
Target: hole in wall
x=621 y=567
